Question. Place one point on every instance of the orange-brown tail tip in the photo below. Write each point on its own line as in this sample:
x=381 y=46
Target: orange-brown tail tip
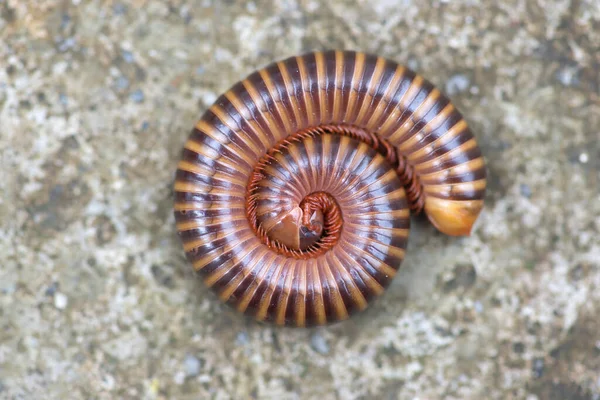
x=453 y=217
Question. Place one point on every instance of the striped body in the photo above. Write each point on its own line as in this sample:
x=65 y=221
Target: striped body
x=401 y=109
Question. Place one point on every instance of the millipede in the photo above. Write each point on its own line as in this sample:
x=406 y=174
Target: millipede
x=294 y=190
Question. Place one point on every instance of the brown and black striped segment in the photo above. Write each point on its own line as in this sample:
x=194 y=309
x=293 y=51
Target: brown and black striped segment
x=337 y=145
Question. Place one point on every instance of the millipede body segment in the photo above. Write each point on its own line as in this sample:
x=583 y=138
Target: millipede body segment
x=294 y=191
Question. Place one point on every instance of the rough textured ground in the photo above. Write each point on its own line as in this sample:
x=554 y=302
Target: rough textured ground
x=97 y=301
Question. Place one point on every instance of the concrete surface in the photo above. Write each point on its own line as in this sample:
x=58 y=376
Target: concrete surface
x=97 y=301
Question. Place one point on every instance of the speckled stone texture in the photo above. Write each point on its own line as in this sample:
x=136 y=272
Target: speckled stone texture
x=97 y=301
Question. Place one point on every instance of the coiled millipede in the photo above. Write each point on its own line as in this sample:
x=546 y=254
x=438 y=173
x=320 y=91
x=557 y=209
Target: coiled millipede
x=293 y=194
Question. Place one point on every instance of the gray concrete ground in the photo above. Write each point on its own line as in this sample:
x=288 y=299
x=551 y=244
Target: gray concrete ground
x=97 y=301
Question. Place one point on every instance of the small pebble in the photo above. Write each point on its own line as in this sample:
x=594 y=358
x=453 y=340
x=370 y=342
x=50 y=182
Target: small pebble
x=518 y=347
x=538 y=367
x=60 y=301
x=525 y=190
x=65 y=20
x=319 y=344
x=457 y=84
x=122 y=83
x=137 y=96
x=127 y=56
x=567 y=76
x=51 y=290
x=413 y=64
x=108 y=382
x=66 y=44
x=179 y=378
x=154 y=386
x=119 y=9
x=242 y=339
x=583 y=158
x=209 y=98
x=192 y=365
x=9 y=289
